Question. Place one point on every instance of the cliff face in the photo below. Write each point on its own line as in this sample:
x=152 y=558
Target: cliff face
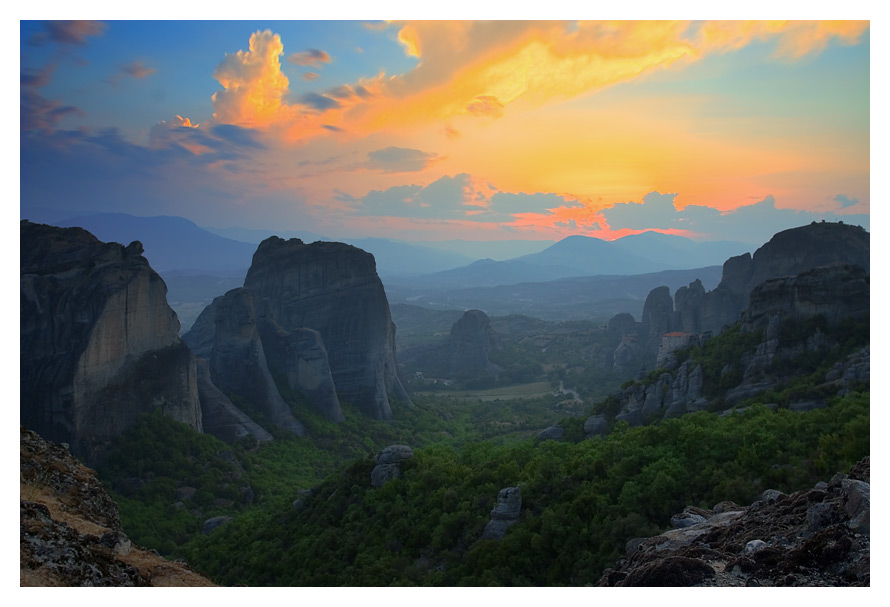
x=99 y=344
x=238 y=361
x=334 y=289
x=788 y=253
x=836 y=292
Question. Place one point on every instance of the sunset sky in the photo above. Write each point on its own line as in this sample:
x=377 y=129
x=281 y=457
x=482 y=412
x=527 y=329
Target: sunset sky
x=465 y=129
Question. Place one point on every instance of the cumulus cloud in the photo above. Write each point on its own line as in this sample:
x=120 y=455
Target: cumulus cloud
x=253 y=84
x=750 y=223
x=399 y=160
x=310 y=57
x=309 y=76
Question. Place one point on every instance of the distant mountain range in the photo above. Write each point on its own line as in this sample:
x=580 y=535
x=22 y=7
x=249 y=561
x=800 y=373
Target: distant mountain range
x=574 y=256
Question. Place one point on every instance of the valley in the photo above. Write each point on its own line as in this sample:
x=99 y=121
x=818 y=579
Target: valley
x=603 y=422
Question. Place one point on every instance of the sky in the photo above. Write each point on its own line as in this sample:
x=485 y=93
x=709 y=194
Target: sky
x=438 y=130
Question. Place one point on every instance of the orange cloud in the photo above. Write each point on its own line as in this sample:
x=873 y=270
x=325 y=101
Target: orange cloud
x=253 y=84
x=796 y=38
x=480 y=68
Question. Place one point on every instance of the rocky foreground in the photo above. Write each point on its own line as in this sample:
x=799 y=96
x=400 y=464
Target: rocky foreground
x=815 y=537
x=71 y=531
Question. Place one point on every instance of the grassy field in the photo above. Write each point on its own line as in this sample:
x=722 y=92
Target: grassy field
x=533 y=390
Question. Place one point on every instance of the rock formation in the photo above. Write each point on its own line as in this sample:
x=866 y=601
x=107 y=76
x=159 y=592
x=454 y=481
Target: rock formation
x=70 y=530
x=658 y=316
x=238 y=361
x=98 y=344
x=464 y=353
x=221 y=418
x=815 y=537
x=472 y=338
x=388 y=464
x=505 y=514
x=333 y=288
x=836 y=292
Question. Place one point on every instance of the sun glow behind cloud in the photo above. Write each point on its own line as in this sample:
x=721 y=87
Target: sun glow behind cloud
x=550 y=113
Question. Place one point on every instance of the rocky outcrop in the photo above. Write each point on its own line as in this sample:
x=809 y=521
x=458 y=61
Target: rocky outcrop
x=238 y=361
x=464 y=353
x=788 y=253
x=472 y=338
x=70 y=530
x=622 y=324
x=658 y=316
x=388 y=464
x=333 y=288
x=99 y=345
x=505 y=514
x=815 y=537
x=836 y=292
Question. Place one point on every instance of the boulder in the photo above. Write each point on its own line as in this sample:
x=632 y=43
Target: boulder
x=214 y=523
x=596 y=425
x=555 y=432
x=388 y=464
x=505 y=514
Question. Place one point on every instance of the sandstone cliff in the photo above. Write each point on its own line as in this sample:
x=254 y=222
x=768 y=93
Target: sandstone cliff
x=333 y=288
x=70 y=530
x=98 y=344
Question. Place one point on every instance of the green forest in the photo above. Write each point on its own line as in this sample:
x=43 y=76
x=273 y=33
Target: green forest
x=303 y=512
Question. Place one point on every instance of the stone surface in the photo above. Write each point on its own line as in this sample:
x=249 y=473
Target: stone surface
x=388 y=464
x=238 y=361
x=596 y=425
x=214 y=523
x=472 y=338
x=807 y=538
x=221 y=418
x=836 y=292
x=333 y=288
x=99 y=345
x=70 y=531
x=552 y=433
x=505 y=514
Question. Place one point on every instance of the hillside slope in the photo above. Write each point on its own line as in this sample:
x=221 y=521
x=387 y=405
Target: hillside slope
x=71 y=532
